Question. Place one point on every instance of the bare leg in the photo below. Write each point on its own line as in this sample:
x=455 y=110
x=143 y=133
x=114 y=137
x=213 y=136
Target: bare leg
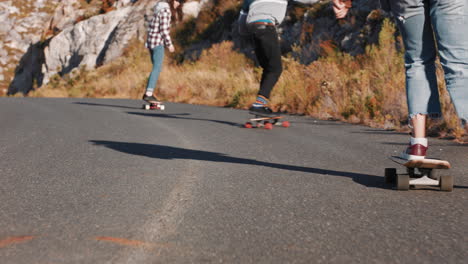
x=419 y=126
x=418 y=142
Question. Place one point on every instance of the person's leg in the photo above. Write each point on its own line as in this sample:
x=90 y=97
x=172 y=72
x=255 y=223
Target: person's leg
x=450 y=19
x=421 y=82
x=263 y=61
x=271 y=60
x=419 y=125
x=157 y=57
x=268 y=52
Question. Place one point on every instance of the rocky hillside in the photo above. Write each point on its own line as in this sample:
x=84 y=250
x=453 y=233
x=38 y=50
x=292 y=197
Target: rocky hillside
x=22 y=22
x=45 y=38
x=29 y=27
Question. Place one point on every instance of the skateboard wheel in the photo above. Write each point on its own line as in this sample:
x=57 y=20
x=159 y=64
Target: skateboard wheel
x=390 y=175
x=433 y=174
x=269 y=126
x=162 y=107
x=446 y=183
x=146 y=107
x=248 y=125
x=286 y=124
x=403 y=182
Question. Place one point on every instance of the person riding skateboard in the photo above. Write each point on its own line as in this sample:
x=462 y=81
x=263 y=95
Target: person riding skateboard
x=260 y=18
x=158 y=37
x=429 y=27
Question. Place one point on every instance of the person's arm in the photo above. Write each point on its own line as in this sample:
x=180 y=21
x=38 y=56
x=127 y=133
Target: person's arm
x=385 y=4
x=246 y=6
x=341 y=7
x=242 y=21
x=165 y=28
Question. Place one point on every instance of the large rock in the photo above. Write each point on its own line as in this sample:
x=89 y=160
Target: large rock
x=87 y=44
x=3 y=56
x=65 y=15
x=192 y=9
x=20 y=31
x=8 y=7
x=82 y=45
x=123 y=3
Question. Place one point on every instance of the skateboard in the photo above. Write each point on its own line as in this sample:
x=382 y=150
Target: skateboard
x=153 y=105
x=420 y=173
x=266 y=122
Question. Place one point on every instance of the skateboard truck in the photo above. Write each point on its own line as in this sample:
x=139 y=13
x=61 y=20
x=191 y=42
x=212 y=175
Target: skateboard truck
x=153 y=106
x=420 y=173
x=266 y=122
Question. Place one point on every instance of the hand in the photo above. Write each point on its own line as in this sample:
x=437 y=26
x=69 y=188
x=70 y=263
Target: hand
x=341 y=8
x=171 y=49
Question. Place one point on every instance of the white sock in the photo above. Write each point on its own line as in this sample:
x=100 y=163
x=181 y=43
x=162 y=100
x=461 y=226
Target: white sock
x=421 y=141
x=149 y=93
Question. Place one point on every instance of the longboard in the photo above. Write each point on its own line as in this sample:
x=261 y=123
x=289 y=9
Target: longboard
x=266 y=122
x=153 y=105
x=419 y=173
x=423 y=163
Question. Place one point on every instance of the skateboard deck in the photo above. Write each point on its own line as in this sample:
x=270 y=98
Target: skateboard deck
x=419 y=173
x=153 y=105
x=266 y=122
x=423 y=163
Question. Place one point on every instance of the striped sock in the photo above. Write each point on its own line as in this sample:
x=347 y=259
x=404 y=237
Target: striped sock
x=260 y=102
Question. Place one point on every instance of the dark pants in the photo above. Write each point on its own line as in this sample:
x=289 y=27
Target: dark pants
x=268 y=51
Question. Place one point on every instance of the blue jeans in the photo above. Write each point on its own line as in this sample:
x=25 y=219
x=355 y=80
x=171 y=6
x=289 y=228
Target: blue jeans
x=428 y=26
x=157 y=57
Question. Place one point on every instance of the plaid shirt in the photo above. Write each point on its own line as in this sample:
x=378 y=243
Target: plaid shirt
x=158 y=30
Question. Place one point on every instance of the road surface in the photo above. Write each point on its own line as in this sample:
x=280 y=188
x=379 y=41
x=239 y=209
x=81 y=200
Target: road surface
x=103 y=181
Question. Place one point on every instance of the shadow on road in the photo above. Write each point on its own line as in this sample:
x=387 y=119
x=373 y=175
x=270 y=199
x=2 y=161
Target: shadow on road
x=158 y=115
x=379 y=132
x=182 y=116
x=444 y=144
x=178 y=116
x=107 y=105
x=169 y=153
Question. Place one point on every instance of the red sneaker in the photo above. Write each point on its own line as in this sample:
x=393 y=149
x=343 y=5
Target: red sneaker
x=414 y=152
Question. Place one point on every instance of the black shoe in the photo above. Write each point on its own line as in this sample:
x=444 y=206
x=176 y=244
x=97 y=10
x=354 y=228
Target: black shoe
x=261 y=111
x=150 y=98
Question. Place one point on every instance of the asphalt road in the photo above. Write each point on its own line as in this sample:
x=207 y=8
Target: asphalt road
x=102 y=181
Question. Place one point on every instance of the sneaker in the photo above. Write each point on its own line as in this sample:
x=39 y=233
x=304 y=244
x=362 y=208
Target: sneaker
x=414 y=152
x=150 y=98
x=261 y=110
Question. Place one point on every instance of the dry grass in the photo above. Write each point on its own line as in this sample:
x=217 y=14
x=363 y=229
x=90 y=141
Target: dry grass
x=208 y=81
x=364 y=89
